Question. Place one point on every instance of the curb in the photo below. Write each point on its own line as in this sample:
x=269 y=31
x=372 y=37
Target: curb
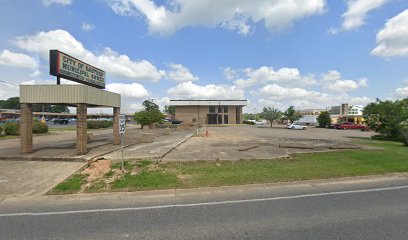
x=42 y=159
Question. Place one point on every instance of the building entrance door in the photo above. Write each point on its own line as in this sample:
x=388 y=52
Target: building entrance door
x=212 y=118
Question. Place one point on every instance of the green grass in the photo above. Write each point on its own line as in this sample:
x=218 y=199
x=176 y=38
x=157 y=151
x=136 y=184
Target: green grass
x=98 y=186
x=71 y=185
x=146 y=180
x=128 y=166
x=391 y=159
x=67 y=128
x=8 y=136
x=109 y=174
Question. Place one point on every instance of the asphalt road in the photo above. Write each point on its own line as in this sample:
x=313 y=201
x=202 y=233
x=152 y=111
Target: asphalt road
x=344 y=211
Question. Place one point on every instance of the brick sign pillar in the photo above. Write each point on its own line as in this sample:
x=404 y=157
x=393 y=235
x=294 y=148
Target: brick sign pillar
x=116 y=135
x=26 y=128
x=82 y=138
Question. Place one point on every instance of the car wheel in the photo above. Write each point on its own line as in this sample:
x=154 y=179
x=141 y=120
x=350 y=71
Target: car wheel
x=293 y=128
x=304 y=128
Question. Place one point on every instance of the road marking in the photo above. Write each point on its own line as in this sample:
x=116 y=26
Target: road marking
x=202 y=203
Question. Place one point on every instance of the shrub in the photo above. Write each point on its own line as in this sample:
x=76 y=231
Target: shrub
x=324 y=119
x=40 y=127
x=148 y=117
x=1 y=130
x=12 y=128
x=92 y=124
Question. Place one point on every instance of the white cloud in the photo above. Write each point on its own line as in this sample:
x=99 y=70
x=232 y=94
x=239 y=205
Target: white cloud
x=332 y=31
x=357 y=11
x=189 y=90
x=87 y=26
x=110 y=61
x=392 y=40
x=48 y=3
x=331 y=75
x=230 y=73
x=238 y=24
x=12 y=59
x=347 y=85
x=264 y=75
x=239 y=15
x=8 y=91
x=402 y=92
x=276 y=95
x=332 y=80
x=179 y=73
x=133 y=90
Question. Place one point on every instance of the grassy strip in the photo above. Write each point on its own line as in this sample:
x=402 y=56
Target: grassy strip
x=393 y=158
x=57 y=129
x=71 y=185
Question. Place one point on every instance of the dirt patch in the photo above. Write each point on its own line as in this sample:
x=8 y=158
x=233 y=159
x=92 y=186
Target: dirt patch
x=97 y=169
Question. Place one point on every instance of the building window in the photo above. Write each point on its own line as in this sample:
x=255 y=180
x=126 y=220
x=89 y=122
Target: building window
x=219 y=119
x=226 y=109
x=225 y=119
x=219 y=109
x=194 y=120
x=212 y=109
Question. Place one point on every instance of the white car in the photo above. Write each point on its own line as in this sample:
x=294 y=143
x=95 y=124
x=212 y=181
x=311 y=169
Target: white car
x=296 y=126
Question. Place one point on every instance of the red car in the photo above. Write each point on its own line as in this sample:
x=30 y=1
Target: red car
x=350 y=125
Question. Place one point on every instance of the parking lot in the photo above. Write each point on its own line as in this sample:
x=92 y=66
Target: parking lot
x=262 y=142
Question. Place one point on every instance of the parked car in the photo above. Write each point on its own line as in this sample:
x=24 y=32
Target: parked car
x=61 y=121
x=260 y=122
x=350 y=125
x=175 y=121
x=364 y=128
x=296 y=126
x=333 y=126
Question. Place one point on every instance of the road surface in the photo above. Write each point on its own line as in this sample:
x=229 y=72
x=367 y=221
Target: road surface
x=341 y=210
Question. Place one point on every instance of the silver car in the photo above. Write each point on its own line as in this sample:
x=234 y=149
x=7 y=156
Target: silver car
x=296 y=126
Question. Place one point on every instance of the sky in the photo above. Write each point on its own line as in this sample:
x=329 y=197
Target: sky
x=309 y=54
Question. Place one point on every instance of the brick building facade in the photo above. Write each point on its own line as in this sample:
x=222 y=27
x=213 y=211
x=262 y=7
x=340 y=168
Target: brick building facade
x=209 y=111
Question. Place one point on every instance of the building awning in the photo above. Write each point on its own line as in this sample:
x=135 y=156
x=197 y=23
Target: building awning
x=208 y=102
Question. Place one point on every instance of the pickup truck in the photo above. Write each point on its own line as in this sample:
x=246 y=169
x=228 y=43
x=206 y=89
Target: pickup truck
x=61 y=121
x=350 y=125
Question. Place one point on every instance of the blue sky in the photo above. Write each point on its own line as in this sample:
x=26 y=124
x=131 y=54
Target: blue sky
x=310 y=54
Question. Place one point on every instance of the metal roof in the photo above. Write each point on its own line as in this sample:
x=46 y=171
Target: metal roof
x=208 y=102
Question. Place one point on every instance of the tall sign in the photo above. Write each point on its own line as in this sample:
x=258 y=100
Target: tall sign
x=122 y=124
x=122 y=129
x=67 y=67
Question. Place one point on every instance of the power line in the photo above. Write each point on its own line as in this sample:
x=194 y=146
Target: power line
x=9 y=83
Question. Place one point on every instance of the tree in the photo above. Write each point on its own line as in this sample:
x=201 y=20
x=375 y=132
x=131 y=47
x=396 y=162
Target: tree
x=149 y=105
x=148 y=117
x=324 y=119
x=11 y=103
x=170 y=109
x=271 y=114
x=50 y=108
x=389 y=118
x=292 y=115
x=386 y=117
x=404 y=131
x=251 y=116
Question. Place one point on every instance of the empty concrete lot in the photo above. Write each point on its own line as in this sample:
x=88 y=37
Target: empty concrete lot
x=22 y=179
x=254 y=142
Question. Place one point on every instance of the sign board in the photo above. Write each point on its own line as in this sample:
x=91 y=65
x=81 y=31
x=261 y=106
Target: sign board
x=67 y=67
x=122 y=124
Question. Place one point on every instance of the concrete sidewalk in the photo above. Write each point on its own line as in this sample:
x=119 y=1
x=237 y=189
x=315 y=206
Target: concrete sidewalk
x=61 y=145
x=156 y=150
x=22 y=179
